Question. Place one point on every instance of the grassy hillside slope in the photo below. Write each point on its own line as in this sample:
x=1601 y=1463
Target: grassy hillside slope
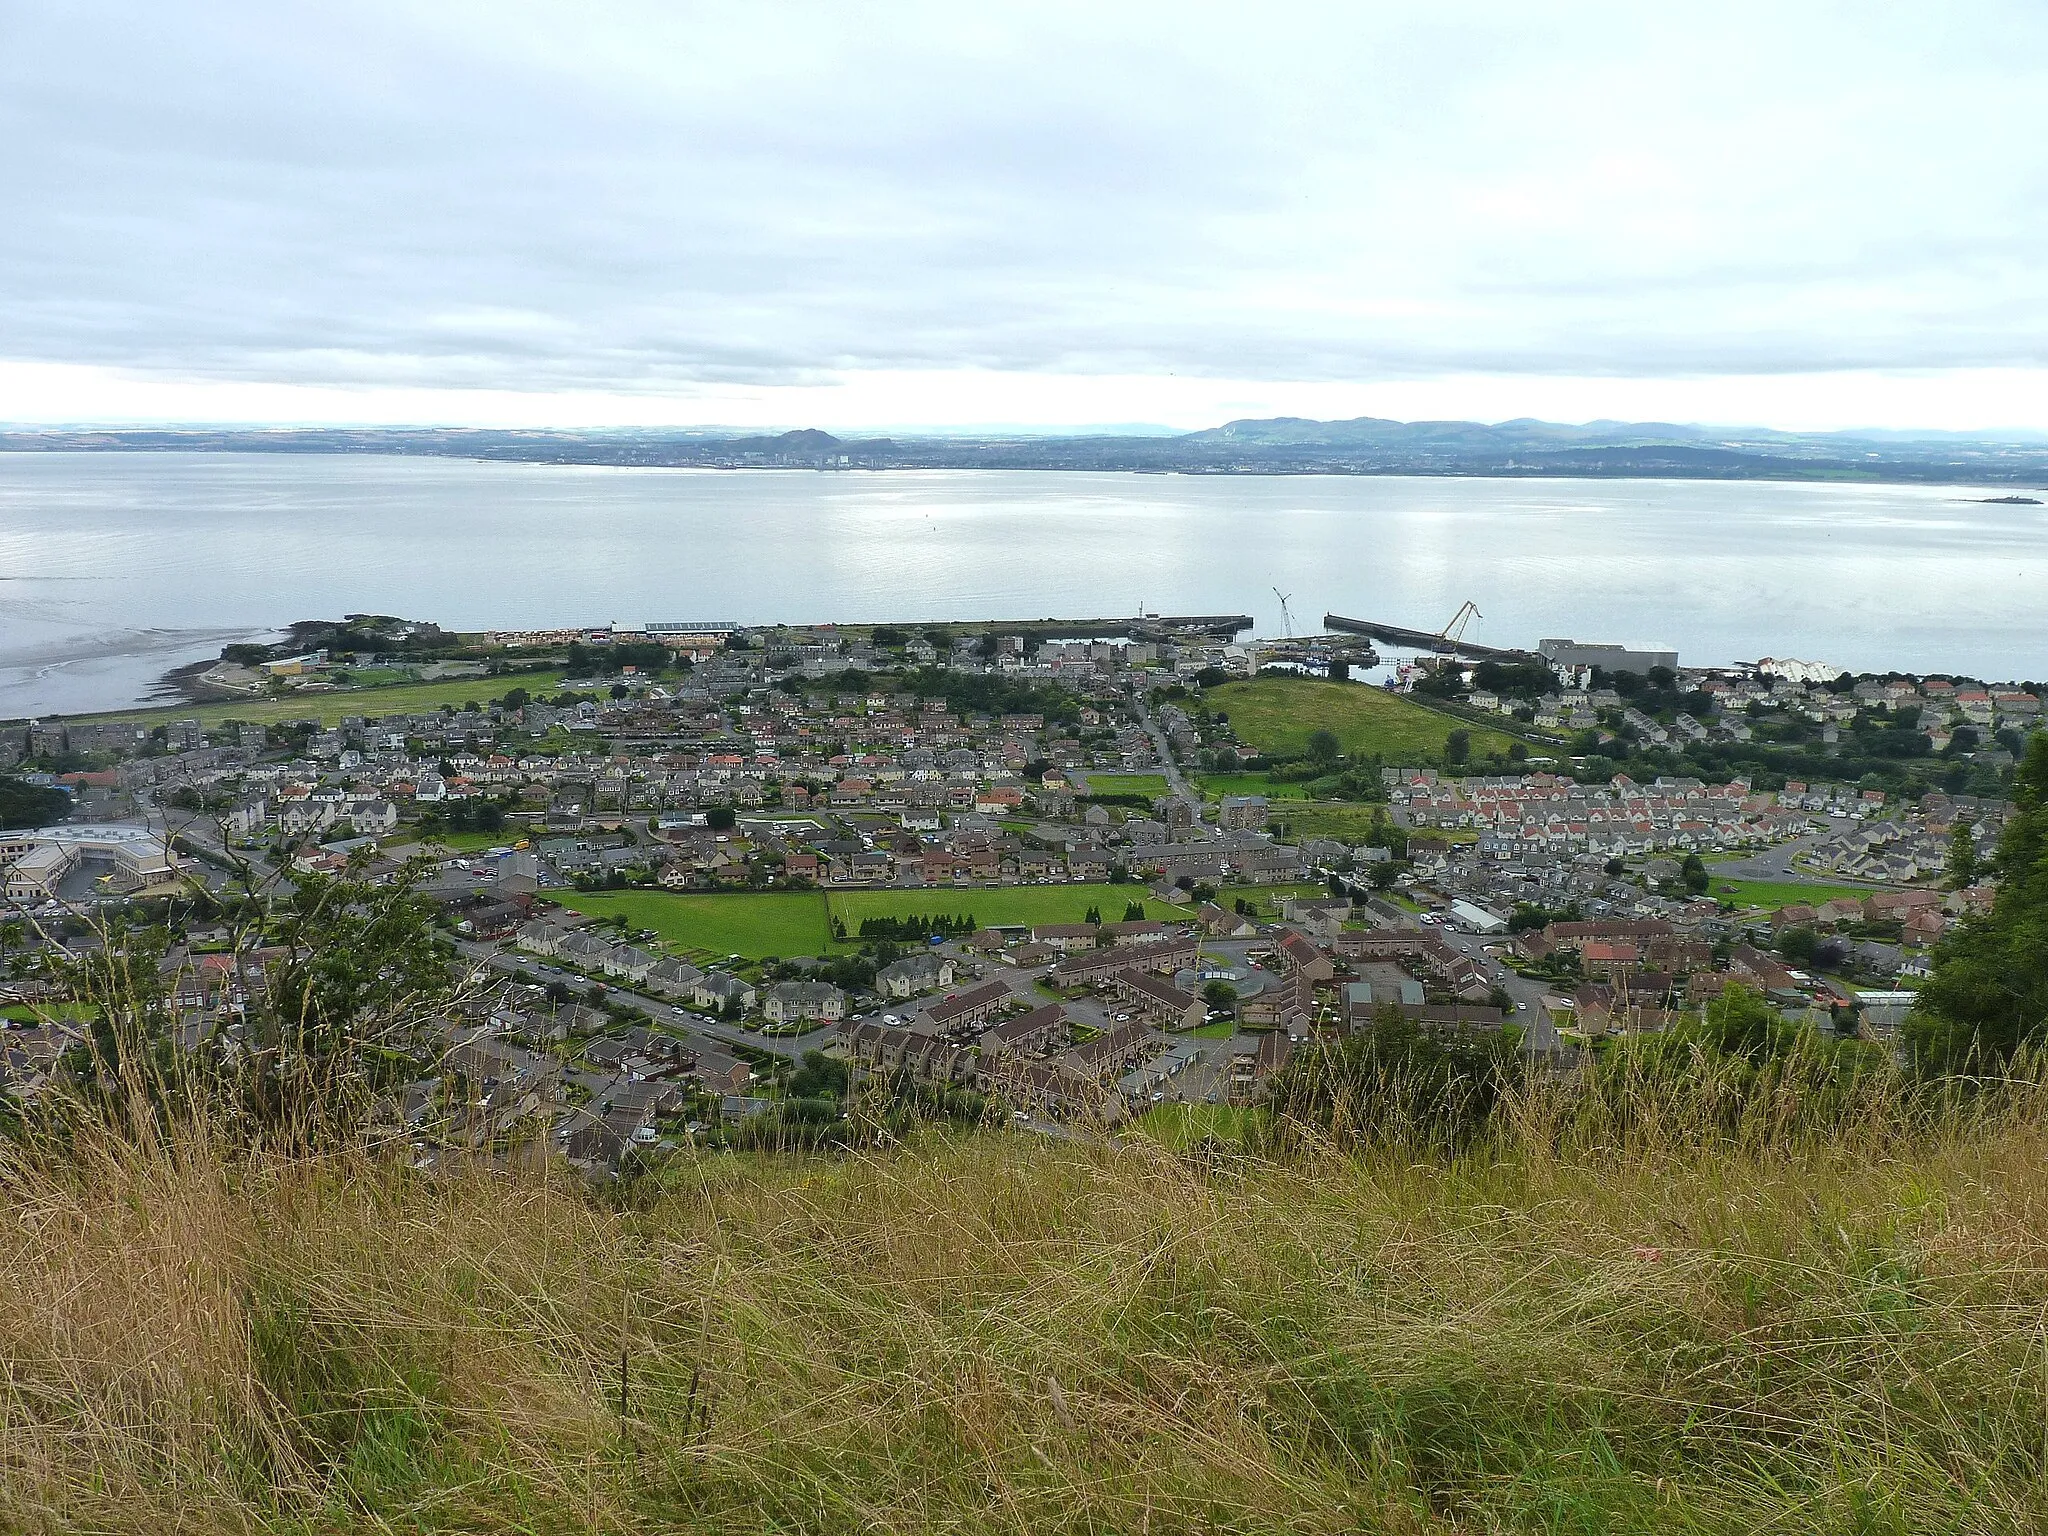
x=1003 y=1333
x=1278 y=714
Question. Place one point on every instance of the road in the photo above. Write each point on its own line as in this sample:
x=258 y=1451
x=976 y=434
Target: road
x=1164 y=750
x=1539 y=1035
x=702 y=1030
x=1775 y=863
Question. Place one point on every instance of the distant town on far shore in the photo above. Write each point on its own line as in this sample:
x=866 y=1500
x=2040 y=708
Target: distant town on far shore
x=1279 y=445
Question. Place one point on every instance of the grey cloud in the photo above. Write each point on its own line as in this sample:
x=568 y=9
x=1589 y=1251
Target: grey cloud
x=553 y=197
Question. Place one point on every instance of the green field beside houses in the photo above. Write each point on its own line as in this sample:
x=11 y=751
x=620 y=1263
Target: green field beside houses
x=330 y=708
x=1278 y=714
x=1773 y=894
x=1152 y=786
x=1340 y=820
x=785 y=923
x=1001 y=906
x=1215 y=786
x=750 y=923
x=1265 y=899
x=476 y=842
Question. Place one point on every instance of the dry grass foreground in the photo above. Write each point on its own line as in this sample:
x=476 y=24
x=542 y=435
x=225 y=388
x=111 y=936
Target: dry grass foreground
x=1002 y=1333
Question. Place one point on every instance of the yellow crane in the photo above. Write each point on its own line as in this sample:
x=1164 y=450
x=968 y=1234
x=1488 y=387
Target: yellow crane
x=1453 y=633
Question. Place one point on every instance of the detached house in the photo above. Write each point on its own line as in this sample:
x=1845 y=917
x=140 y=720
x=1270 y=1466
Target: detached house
x=717 y=991
x=789 y=1002
x=913 y=974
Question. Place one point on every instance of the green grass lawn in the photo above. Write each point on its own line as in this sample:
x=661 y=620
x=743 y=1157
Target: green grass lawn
x=785 y=923
x=1222 y=1029
x=1343 y=820
x=329 y=708
x=750 y=923
x=1032 y=904
x=24 y=1013
x=1266 y=898
x=1150 y=785
x=1773 y=894
x=1216 y=785
x=1277 y=715
x=475 y=842
x=1182 y=1125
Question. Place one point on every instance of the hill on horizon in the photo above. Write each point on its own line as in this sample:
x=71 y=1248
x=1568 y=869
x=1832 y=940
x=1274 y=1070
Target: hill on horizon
x=1366 y=445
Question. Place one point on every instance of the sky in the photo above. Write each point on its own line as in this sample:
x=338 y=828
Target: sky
x=896 y=215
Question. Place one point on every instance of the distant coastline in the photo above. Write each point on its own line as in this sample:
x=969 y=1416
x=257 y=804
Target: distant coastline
x=1519 y=450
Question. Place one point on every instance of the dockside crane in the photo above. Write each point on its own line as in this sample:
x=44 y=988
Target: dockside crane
x=1453 y=633
x=1286 y=616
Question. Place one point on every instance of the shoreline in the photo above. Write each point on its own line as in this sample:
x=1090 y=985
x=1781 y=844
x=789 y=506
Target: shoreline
x=184 y=685
x=948 y=456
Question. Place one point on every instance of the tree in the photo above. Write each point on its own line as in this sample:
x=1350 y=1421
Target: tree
x=1988 y=995
x=1694 y=872
x=719 y=818
x=1962 y=857
x=1324 y=748
x=23 y=804
x=1220 y=995
x=1798 y=945
x=361 y=970
x=1134 y=911
x=1442 y=682
x=1740 y=1023
x=1458 y=747
x=1519 y=679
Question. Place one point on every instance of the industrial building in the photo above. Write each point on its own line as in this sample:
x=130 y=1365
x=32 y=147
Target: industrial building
x=35 y=862
x=1574 y=654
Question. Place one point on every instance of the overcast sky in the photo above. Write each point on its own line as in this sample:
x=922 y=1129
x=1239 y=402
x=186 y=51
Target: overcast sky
x=898 y=215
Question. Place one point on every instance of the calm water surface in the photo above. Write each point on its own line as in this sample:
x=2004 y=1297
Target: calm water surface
x=115 y=567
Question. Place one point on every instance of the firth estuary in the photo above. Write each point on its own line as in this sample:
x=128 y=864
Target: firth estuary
x=116 y=567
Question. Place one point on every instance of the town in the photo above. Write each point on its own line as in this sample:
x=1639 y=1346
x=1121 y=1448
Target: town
x=709 y=883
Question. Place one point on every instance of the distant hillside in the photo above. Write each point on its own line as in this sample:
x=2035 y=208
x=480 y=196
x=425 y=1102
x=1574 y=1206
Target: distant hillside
x=1281 y=445
x=1470 y=436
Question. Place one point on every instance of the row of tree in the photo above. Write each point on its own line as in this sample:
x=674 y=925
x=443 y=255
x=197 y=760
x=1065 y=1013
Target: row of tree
x=912 y=929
